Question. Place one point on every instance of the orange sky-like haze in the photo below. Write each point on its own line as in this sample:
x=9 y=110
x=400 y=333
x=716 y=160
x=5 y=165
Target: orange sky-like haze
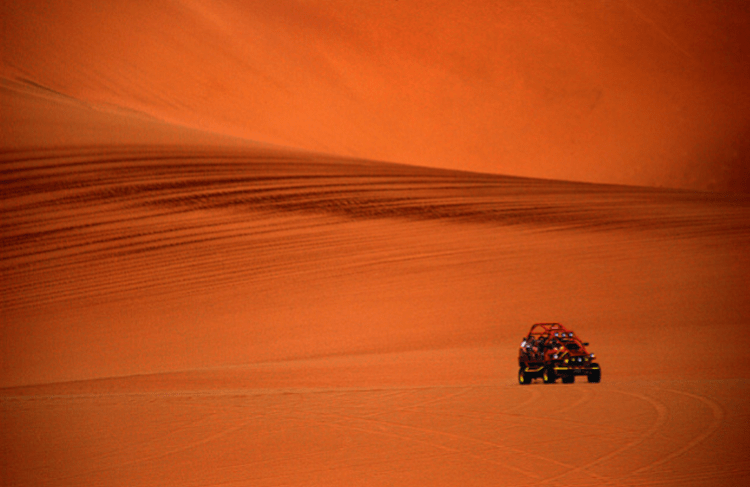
x=628 y=92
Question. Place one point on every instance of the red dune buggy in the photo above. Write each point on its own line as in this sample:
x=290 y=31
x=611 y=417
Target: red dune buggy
x=551 y=351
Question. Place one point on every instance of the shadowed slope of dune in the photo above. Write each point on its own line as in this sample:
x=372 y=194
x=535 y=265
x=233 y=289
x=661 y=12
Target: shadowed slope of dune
x=114 y=202
x=37 y=117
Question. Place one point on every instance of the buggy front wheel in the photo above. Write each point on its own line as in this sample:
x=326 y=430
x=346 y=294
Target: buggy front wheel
x=523 y=377
x=548 y=376
x=596 y=374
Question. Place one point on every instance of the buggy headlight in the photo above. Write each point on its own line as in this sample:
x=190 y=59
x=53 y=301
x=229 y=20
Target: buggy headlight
x=592 y=356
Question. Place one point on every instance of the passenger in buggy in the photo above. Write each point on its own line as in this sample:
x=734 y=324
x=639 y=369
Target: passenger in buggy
x=529 y=346
x=541 y=347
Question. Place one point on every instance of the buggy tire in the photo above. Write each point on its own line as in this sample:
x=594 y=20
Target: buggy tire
x=523 y=377
x=596 y=375
x=548 y=376
x=569 y=379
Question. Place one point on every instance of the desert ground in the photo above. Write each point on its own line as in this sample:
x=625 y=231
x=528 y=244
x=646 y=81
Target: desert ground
x=228 y=314
x=209 y=276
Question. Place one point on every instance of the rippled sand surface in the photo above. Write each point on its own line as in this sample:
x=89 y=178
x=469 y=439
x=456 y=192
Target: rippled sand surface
x=183 y=303
x=178 y=315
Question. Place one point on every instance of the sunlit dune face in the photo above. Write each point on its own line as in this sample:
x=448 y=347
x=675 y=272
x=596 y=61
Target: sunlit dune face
x=628 y=92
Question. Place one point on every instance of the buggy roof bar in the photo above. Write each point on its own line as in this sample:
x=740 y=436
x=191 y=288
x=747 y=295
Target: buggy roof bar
x=543 y=331
x=548 y=329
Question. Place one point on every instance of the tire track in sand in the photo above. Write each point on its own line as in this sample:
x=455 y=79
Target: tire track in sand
x=718 y=415
x=661 y=411
x=168 y=452
x=585 y=397
x=385 y=428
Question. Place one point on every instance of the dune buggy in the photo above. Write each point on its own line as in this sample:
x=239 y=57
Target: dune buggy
x=551 y=351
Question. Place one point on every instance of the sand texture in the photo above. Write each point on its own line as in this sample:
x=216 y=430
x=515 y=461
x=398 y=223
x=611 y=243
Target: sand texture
x=632 y=92
x=179 y=316
x=180 y=305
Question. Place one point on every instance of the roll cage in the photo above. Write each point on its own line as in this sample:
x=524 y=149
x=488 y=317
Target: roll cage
x=544 y=333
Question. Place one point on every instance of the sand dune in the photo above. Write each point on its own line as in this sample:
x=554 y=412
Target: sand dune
x=328 y=242
x=627 y=92
x=198 y=315
x=184 y=307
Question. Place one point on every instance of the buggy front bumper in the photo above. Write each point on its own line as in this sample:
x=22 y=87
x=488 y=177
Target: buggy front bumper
x=562 y=370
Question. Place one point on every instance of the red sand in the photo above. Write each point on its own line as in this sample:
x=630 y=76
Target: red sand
x=184 y=308
x=625 y=91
